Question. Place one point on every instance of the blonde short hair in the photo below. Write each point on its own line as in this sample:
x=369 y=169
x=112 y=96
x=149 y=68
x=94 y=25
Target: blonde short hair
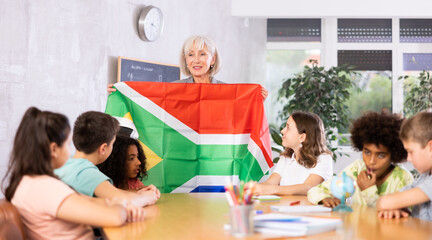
x=200 y=41
x=417 y=128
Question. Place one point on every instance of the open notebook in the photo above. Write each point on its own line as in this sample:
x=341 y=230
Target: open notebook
x=290 y=225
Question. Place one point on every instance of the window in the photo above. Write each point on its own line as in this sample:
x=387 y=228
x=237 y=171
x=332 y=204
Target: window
x=364 y=30
x=282 y=64
x=294 y=30
x=374 y=82
x=415 y=30
x=413 y=65
x=381 y=49
x=303 y=37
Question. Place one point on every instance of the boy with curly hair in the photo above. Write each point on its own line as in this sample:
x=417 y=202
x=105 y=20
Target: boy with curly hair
x=377 y=174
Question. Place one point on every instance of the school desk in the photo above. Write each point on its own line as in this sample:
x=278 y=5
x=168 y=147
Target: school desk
x=203 y=215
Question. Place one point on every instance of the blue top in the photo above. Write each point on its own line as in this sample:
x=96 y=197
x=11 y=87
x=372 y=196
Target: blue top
x=424 y=183
x=82 y=175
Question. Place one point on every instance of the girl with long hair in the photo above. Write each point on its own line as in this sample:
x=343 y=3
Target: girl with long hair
x=306 y=161
x=126 y=165
x=50 y=209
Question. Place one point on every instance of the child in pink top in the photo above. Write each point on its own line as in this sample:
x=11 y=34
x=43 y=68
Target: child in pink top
x=126 y=165
x=49 y=208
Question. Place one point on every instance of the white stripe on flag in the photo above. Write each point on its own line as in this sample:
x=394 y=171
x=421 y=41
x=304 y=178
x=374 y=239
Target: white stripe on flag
x=126 y=122
x=183 y=129
x=255 y=150
x=204 y=180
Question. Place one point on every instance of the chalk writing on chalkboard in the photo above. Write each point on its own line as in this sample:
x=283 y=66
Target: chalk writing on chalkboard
x=138 y=70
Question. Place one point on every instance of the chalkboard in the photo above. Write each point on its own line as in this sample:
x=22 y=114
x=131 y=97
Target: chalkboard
x=138 y=70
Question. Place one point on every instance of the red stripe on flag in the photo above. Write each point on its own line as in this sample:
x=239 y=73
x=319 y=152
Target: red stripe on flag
x=208 y=108
x=262 y=138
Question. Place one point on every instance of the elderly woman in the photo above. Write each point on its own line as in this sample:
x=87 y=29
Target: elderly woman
x=200 y=61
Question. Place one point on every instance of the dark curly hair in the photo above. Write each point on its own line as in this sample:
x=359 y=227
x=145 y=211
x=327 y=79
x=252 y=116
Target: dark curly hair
x=379 y=129
x=115 y=166
x=315 y=143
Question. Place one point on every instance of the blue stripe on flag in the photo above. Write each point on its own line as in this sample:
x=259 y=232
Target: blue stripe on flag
x=209 y=189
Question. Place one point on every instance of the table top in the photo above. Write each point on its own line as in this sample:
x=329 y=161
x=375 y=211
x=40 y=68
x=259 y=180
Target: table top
x=203 y=215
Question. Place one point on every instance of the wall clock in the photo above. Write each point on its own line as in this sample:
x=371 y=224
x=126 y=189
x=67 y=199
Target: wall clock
x=150 y=24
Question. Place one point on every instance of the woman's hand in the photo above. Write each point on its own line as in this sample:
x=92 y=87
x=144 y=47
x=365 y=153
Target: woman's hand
x=111 y=88
x=331 y=202
x=364 y=182
x=264 y=93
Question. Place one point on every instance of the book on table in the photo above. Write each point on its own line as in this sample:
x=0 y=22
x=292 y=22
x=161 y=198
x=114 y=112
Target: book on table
x=299 y=209
x=293 y=225
x=267 y=198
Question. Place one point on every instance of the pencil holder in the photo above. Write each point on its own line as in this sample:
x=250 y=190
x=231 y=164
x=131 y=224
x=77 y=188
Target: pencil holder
x=241 y=219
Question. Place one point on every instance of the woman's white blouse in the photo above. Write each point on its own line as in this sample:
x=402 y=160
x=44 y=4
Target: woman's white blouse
x=292 y=172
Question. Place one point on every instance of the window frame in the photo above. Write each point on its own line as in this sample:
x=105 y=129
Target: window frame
x=329 y=47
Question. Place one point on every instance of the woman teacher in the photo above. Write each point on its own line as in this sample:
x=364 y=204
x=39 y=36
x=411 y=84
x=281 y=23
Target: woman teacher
x=200 y=61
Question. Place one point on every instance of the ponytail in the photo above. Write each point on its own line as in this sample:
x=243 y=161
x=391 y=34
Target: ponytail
x=31 y=154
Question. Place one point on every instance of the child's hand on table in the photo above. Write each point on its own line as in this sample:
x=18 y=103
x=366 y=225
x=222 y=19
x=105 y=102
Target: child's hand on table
x=150 y=187
x=331 y=202
x=144 y=198
x=263 y=189
x=393 y=213
x=135 y=214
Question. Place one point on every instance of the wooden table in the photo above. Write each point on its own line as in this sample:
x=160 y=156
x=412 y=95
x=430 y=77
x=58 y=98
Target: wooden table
x=203 y=215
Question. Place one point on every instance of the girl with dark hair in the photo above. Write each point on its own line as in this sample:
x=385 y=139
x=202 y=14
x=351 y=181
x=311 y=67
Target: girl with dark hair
x=126 y=165
x=306 y=161
x=50 y=209
x=376 y=135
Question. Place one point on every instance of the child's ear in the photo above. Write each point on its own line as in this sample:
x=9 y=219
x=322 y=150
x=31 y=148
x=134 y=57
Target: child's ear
x=302 y=137
x=429 y=146
x=103 y=149
x=54 y=150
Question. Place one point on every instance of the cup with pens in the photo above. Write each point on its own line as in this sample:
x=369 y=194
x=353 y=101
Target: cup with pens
x=241 y=208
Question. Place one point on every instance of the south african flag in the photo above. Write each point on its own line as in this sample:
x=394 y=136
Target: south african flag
x=196 y=135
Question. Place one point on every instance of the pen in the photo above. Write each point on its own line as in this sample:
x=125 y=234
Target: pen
x=295 y=203
x=284 y=220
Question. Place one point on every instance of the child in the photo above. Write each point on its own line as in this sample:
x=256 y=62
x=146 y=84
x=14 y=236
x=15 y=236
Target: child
x=416 y=135
x=93 y=136
x=126 y=165
x=376 y=135
x=49 y=208
x=306 y=161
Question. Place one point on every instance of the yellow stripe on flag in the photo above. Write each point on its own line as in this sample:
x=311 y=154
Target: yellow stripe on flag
x=151 y=158
x=128 y=116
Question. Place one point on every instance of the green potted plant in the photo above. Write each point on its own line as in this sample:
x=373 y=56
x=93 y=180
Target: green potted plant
x=323 y=92
x=418 y=93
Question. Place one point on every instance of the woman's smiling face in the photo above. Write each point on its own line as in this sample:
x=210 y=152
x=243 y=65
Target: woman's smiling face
x=199 y=60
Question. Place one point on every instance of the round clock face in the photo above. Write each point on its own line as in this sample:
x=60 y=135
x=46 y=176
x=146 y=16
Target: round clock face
x=150 y=24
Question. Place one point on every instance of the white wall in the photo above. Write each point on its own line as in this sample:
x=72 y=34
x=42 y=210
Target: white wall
x=59 y=55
